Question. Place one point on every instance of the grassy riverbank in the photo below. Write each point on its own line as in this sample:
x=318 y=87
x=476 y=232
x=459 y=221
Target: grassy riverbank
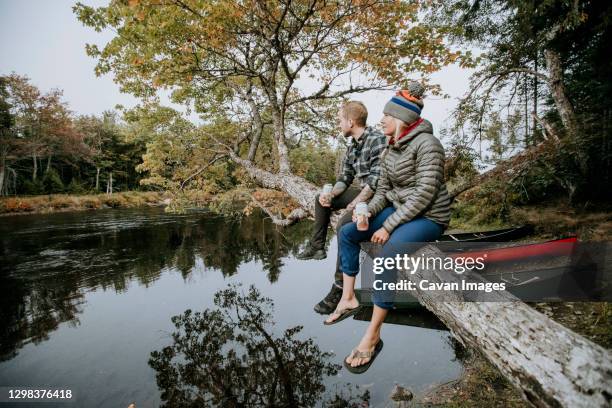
x=236 y=202
x=551 y=219
x=44 y=204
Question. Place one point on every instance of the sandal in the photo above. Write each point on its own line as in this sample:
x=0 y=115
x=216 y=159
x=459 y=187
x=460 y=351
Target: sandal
x=343 y=314
x=363 y=354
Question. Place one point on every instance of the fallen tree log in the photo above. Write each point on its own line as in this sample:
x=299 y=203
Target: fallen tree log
x=551 y=365
x=302 y=191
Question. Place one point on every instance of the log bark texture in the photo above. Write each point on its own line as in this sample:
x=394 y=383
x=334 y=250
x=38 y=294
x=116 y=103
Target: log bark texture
x=550 y=364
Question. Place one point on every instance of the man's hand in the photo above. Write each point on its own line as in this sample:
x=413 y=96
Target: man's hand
x=380 y=237
x=325 y=199
x=351 y=205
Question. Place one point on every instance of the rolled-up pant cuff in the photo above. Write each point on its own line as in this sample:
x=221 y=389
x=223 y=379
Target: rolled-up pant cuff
x=351 y=273
x=384 y=305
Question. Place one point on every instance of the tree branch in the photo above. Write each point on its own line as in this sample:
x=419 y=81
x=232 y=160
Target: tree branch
x=548 y=129
x=293 y=217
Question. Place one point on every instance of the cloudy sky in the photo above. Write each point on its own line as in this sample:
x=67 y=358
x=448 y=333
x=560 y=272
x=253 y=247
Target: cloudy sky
x=43 y=40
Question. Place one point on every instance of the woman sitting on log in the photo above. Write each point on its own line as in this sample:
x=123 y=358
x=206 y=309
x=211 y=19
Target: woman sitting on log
x=411 y=204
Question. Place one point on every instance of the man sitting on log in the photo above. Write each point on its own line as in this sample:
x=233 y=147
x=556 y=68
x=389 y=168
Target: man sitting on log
x=360 y=172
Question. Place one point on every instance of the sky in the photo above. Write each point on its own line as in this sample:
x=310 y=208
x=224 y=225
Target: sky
x=43 y=40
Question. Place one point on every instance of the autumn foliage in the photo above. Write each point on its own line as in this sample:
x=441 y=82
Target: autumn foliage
x=266 y=77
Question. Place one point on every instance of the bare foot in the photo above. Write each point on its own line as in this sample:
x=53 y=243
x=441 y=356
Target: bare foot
x=342 y=305
x=367 y=344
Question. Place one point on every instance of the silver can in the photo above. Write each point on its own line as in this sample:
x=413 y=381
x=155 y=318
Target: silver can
x=326 y=194
x=361 y=212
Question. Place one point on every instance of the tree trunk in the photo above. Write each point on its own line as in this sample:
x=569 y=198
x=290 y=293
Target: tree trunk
x=296 y=187
x=535 y=97
x=548 y=130
x=35 y=167
x=109 y=183
x=299 y=189
x=278 y=123
x=558 y=92
x=3 y=154
x=563 y=105
x=527 y=133
x=97 y=179
x=255 y=143
x=48 y=164
x=2 y=172
x=257 y=125
x=284 y=166
x=14 y=173
x=550 y=364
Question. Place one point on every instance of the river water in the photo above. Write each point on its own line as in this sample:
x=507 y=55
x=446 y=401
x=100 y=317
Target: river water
x=87 y=297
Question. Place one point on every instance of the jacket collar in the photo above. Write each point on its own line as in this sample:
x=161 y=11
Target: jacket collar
x=423 y=127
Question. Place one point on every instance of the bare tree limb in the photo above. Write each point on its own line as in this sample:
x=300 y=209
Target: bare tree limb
x=210 y=163
x=549 y=132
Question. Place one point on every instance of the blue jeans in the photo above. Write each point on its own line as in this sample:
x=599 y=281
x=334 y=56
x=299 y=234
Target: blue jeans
x=349 y=238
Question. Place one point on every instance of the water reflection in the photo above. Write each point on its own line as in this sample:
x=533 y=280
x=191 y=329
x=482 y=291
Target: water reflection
x=85 y=298
x=29 y=312
x=47 y=264
x=228 y=356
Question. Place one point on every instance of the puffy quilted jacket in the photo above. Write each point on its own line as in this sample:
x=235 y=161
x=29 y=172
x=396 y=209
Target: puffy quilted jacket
x=412 y=180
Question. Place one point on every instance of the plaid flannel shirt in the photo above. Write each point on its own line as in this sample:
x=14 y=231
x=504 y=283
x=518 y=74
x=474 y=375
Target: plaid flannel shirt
x=362 y=160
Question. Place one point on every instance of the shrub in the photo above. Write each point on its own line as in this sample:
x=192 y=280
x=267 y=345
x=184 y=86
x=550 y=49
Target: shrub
x=15 y=205
x=74 y=187
x=133 y=200
x=62 y=202
x=152 y=197
x=91 y=203
x=52 y=182
x=35 y=187
x=486 y=205
x=114 y=201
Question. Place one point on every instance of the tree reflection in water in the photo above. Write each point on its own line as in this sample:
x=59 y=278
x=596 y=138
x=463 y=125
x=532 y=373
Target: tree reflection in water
x=48 y=265
x=229 y=357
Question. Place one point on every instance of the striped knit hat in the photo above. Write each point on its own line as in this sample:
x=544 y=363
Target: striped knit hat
x=407 y=104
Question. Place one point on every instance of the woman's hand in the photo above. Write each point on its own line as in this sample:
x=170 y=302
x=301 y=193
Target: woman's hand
x=380 y=237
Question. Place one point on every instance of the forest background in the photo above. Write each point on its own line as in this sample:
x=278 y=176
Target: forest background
x=536 y=115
